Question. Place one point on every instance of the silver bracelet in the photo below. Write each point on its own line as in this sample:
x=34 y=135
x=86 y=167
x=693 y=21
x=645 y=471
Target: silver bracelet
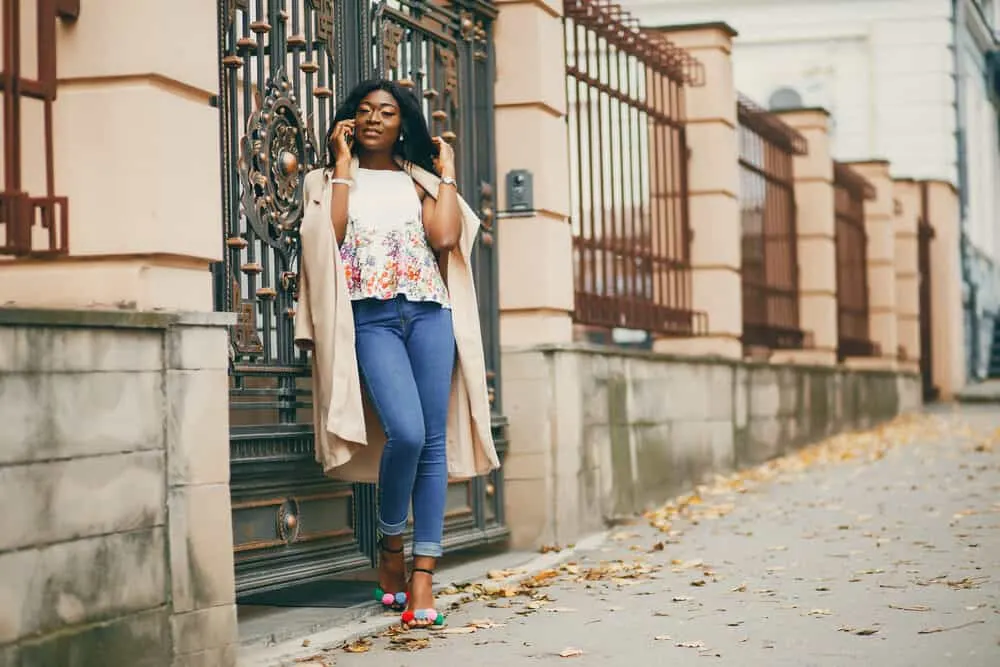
x=342 y=181
x=448 y=180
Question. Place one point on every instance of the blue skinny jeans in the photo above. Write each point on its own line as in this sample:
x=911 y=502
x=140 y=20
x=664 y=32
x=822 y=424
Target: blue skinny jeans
x=406 y=353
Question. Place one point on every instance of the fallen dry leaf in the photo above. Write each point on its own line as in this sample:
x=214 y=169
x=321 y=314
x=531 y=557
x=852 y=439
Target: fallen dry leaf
x=912 y=607
x=820 y=612
x=460 y=630
x=570 y=653
x=409 y=643
x=690 y=644
x=360 y=646
x=864 y=632
x=666 y=638
x=930 y=631
x=317 y=660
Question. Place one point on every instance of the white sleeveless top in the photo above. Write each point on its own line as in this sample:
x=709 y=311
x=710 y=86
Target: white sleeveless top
x=385 y=251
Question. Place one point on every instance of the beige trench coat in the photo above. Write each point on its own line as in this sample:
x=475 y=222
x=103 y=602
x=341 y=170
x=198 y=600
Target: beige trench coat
x=349 y=436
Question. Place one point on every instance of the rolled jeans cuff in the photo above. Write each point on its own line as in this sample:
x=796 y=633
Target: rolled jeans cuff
x=392 y=529
x=428 y=549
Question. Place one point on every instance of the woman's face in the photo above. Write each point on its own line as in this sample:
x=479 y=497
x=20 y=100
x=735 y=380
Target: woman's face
x=377 y=122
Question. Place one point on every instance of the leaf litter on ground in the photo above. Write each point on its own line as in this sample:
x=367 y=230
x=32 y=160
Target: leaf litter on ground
x=505 y=588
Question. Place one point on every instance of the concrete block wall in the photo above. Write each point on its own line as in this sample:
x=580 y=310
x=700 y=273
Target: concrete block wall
x=603 y=434
x=116 y=548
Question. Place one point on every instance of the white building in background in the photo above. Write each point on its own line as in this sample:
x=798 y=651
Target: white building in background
x=898 y=88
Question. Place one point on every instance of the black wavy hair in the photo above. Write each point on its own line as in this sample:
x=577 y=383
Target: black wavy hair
x=417 y=146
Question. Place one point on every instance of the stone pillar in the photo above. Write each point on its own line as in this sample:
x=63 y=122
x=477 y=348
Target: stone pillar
x=713 y=186
x=817 y=247
x=137 y=153
x=535 y=249
x=947 y=330
x=907 y=210
x=880 y=226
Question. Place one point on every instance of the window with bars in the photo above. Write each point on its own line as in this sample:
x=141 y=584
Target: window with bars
x=628 y=161
x=770 y=268
x=33 y=219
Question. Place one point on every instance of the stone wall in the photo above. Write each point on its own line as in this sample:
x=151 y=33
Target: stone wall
x=597 y=434
x=116 y=542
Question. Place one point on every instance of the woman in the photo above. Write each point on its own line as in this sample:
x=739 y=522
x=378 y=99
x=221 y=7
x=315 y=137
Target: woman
x=386 y=301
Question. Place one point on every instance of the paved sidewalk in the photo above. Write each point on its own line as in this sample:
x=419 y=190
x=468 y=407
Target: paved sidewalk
x=880 y=548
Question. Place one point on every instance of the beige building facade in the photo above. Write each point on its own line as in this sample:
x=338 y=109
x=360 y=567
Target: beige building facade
x=147 y=383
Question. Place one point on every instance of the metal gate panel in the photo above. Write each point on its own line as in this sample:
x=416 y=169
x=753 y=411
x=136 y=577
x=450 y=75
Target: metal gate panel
x=283 y=63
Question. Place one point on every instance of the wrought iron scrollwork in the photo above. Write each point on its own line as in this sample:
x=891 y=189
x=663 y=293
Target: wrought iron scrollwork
x=275 y=154
x=324 y=23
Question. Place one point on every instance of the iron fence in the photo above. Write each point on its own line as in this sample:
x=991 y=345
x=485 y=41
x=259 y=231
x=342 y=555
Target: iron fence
x=850 y=192
x=769 y=243
x=628 y=157
x=31 y=225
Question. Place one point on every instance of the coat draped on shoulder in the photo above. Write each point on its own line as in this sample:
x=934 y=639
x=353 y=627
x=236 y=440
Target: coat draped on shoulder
x=349 y=436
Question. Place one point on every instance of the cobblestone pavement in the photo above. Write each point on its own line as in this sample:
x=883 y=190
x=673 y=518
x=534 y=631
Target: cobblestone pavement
x=879 y=548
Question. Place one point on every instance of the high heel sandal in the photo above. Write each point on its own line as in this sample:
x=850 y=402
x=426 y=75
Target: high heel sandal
x=393 y=601
x=435 y=618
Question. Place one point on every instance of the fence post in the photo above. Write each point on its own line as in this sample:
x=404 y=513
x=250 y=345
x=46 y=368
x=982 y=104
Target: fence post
x=535 y=247
x=817 y=248
x=713 y=187
x=907 y=211
x=948 y=351
x=881 y=265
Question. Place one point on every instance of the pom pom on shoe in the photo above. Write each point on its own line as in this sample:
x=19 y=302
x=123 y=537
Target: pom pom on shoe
x=400 y=598
x=388 y=599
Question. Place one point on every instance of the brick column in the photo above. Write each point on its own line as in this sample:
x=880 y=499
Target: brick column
x=817 y=247
x=713 y=186
x=948 y=333
x=137 y=153
x=535 y=249
x=907 y=207
x=880 y=225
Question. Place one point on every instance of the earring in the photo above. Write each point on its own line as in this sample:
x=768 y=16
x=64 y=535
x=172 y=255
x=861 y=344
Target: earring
x=402 y=137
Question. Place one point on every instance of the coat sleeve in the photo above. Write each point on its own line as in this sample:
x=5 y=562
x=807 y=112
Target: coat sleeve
x=303 y=309
x=303 y=313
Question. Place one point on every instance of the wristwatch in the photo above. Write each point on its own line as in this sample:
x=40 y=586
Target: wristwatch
x=448 y=180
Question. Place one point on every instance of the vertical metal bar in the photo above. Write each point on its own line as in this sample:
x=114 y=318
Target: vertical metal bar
x=596 y=269
x=295 y=52
x=658 y=206
x=221 y=296
x=11 y=80
x=636 y=125
x=606 y=244
x=684 y=298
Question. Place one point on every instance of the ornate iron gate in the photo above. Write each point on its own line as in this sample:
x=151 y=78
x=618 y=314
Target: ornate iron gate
x=283 y=65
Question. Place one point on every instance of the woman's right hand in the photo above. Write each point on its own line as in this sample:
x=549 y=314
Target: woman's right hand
x=339 y=141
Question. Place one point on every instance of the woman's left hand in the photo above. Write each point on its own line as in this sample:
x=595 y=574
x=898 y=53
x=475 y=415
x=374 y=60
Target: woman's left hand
x=444 y=162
